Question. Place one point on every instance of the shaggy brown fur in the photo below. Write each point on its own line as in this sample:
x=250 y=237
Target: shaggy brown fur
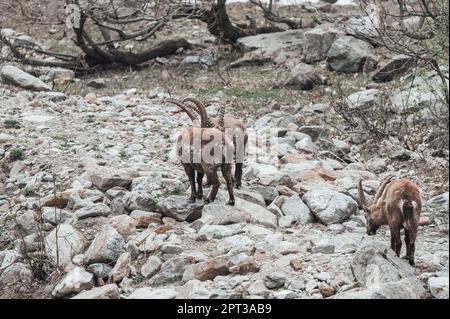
x=234 y=127
x=186 y=144
x=397 y=204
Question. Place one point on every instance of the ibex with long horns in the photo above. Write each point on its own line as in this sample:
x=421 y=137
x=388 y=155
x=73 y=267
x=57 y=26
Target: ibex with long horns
x=397 y=204
x=205 y=150
x=234 y=128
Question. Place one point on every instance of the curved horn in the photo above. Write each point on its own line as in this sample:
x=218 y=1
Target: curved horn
x=205 y=122
x=183 y=107
x=381 y=188
x=362 y=196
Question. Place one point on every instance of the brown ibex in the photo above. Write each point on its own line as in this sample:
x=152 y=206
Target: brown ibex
x=205 y=150
x=397 y=204
x=235 y=129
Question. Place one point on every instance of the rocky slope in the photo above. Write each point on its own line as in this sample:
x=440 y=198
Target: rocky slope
x=92 y=204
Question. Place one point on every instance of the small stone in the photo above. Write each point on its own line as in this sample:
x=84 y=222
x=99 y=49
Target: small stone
x=97 y=83
x=124 y=224
x=296 y=264
x=152 y=293
x=110 y=291
x=121 y=268
x=275 y=280
x=324 y=246
x=143 y=218
x=326 y=290
x=151 y=267
x=93 y=210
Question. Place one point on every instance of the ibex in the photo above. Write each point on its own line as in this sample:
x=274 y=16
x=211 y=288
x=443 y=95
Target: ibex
x=397 y=204
x=205 y=150
x=234 y=128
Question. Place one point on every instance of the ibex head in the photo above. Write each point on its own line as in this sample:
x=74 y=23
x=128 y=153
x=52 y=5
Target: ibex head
x=373 y=211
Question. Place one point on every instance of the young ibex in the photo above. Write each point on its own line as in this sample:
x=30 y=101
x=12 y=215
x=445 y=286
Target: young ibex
x=397 y=204
x=205 y=150
x=235 y=129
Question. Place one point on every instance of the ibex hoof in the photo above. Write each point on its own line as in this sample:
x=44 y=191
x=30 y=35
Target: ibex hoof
x=237 y=186
x=199 y=196
x=191 y=200
x=207 y=200
x=230 y=202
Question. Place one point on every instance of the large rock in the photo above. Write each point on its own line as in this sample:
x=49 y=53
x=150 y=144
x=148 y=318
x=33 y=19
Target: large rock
x=420 y=93
x=7 y=258
x=305 y=77
x=179 y=208
x=194 y=289
x=15 y=76
x=218 y=213
x=143 y=219
x=121 y=268
x=93 y=210
x=151 y=267
x=153 y=293
x=375 y=263
x=18 y=272
x=364 y=99
x=74 y=281
x=124 y=224
x=139 y=200
x=110 y=291
x=438 y=287
x=207 y=270
x=105 y=179
x=294 y=206
x=394 y=66
x=269 y=43
x=348 y=54
x=318 y=41
x=402 y=289
x=329 y=206
x=55 y=215
x=439 y=203
x=63 y=243
x=27 y=223
x=171 y=270
x=367 y=26
x=106 y=246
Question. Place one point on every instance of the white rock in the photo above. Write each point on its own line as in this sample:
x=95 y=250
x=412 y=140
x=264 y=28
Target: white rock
x=63 y=243
x=294 y=206
x=439 y=287
x=74 y=281
x=329 y=206
x=152 y=293
x=16 y=76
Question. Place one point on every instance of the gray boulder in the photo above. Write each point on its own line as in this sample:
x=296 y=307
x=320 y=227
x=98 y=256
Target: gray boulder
x=348 y=54
x=15 y=76
x=438 y=287
x=270 y=43
x=62 y=243
x=294 y=206
x=178 y=207
x=329 y=206
x=106 y=247
x=375 y=263
x=392 y=67
x=318 y=41
x=74 y=281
